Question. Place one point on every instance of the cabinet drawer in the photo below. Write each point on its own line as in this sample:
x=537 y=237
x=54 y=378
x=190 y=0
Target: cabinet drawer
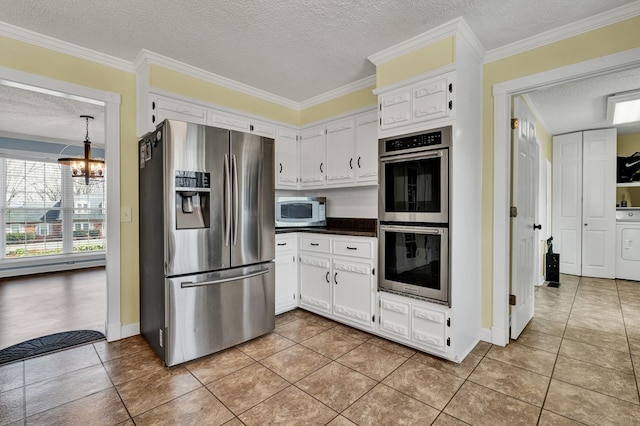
x=363 y=249
x=394 y=318
x=320 y=245
x=285 y=243
x=167 y=107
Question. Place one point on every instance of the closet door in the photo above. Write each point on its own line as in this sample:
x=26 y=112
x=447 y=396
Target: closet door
x=599 y=203
x=567 y=201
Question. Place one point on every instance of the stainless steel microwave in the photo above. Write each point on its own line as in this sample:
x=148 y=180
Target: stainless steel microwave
x=300 y=211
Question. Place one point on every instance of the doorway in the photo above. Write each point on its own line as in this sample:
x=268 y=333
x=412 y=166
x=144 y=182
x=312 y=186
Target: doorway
x=503 y=94
x=111 y=126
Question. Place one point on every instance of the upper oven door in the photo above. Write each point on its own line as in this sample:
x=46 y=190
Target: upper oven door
x=415 y=187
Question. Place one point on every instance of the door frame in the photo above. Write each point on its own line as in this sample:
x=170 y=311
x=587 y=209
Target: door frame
x=113 y=329
x=502 y=94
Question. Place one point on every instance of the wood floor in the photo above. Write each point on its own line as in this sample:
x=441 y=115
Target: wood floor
x=43 y=304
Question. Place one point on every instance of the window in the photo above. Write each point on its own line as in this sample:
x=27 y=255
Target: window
x=47 y=212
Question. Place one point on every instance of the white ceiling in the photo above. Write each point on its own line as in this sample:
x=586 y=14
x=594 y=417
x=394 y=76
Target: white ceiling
x=295 y=49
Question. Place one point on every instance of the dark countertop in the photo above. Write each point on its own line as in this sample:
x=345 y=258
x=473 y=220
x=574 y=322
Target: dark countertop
x=340 y=226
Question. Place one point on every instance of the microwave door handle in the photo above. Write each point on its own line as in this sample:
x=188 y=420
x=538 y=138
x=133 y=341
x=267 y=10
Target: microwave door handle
x=234 y=168
x=227 y=201
x=414 y=155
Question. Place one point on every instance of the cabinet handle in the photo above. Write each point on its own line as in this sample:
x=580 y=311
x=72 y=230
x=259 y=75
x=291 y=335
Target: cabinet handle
x=314 y=244
x=321 y=171
x=335 y=278
x=536 y=226
x=280 y=167
x=352 y=248
x=351 y=163
x=153 y=118
x=282 y=244
x=326 y=277
x=359 y=163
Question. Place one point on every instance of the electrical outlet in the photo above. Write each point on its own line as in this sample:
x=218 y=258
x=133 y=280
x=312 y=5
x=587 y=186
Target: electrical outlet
x=125 y=214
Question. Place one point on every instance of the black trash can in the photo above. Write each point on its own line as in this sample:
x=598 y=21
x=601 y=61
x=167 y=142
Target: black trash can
x=553 y=267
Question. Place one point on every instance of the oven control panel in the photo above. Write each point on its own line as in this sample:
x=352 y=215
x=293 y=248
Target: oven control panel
x=416 y=141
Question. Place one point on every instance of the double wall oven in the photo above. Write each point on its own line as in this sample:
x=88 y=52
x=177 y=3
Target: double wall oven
x=414 y=214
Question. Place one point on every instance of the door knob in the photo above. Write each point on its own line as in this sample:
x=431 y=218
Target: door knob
x=537 y=226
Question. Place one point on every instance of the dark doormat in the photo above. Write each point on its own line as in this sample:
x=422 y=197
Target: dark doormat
x=46 y=344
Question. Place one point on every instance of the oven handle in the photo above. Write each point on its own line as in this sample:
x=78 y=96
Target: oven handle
x=416 y=229
x=412 y=156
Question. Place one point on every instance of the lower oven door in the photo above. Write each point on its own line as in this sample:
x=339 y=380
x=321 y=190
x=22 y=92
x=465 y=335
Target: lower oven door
x=414 y=260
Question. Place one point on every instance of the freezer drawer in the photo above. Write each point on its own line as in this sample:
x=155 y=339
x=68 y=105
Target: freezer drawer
x=209 y=312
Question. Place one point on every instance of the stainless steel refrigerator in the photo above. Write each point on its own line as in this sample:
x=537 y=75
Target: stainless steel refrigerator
x=207 y=276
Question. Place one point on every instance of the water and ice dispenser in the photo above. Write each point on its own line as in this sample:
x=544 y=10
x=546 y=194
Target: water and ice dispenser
x=193 y=192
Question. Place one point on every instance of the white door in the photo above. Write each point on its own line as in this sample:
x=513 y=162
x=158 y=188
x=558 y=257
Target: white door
x=286 y=159
x=567 y=201
x=598 y=207
x=524 y=241
x=367 y=147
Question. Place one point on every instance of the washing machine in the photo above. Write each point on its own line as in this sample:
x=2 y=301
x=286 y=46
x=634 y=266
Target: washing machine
x=628 y=244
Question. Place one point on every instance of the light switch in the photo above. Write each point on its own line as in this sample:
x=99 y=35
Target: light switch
x=125 y=214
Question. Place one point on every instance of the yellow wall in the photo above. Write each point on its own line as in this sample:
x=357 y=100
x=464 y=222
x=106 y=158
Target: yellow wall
x=604 y=41
x=628 y=145
x=428 y=58
x=175 y=82
x=350 y=102
x=36 y=60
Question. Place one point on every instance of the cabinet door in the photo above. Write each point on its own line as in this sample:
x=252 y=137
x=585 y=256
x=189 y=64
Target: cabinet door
x=286 y=159
x=395 y=109
x=228 y=121
x=286 y=282
x=367 y=147
x=312 y=157
x=262 y=129
x=163 y=108
x=429 y=328
x=315 y=284
x=340 y=152
x=431 y=100
x=353 y=291
x=395 y=320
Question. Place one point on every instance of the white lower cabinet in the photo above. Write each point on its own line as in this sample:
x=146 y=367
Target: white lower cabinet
x=286 y=272
x=337 y=277
x=415 y=322
x=315 y=283
x=353 y=291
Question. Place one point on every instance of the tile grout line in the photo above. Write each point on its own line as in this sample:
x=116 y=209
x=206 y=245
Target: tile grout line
x=24 y=393
x=113 y=384
x=624 y=323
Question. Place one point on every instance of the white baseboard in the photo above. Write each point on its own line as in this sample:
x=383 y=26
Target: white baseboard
x=114 y=331
x=499 y=336
x=485 y=335
x=130 y=330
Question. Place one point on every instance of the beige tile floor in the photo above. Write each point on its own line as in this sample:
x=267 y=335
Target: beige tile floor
x=575 y=363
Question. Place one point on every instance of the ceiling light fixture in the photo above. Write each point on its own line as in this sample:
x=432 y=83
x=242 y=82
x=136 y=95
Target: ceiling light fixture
x=86 y=167
x=623 y=108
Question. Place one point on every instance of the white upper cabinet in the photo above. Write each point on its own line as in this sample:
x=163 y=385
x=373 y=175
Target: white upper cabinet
x=163 y=108
x=341 y=152
x=428 y=100
x=230 y=121
x=366 y=161
x=312 y=157
x=286 y=159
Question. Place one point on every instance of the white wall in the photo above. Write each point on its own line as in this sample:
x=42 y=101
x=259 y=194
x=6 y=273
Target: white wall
x=357 y=202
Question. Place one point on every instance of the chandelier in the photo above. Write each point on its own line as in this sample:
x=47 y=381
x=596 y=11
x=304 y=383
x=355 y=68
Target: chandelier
x=86 y=167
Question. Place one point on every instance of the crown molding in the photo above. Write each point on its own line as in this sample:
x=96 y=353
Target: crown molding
x=457 y=26
x=51 y=43
x=340 y=91
x=591 y=23
x=157 y=59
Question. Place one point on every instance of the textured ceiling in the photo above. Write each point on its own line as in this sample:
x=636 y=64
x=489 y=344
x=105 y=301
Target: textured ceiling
x=582 y=105
x=296 y=49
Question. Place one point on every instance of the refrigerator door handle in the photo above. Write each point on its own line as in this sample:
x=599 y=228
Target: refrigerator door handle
x=234 y=169
x=227 y=201
x=187 y=284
